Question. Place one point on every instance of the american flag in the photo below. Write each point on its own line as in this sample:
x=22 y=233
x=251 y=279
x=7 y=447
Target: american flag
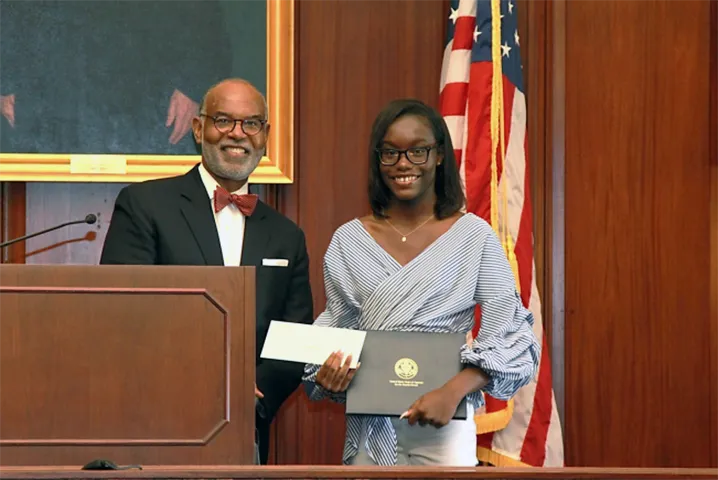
x=483 y=103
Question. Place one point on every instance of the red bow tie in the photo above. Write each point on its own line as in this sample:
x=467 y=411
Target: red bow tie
x=245 y=203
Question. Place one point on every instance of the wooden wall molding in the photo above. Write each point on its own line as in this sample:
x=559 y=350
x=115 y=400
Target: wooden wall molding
x=714 y=231
x=555 y=134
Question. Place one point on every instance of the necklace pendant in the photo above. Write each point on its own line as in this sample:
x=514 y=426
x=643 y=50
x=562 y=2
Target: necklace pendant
x=403 y=239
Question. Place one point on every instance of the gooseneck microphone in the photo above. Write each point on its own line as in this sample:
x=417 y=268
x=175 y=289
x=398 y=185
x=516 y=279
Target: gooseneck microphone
x=89 y=219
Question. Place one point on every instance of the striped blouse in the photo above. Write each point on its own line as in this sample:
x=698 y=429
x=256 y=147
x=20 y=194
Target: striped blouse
x=367 y=289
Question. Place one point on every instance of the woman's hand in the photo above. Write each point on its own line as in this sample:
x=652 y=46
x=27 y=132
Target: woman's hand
x=435 y=408
x=335 y=375
x=438 y=407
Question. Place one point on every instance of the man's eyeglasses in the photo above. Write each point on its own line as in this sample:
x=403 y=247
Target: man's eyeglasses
x=250 y=126
x=416 y=155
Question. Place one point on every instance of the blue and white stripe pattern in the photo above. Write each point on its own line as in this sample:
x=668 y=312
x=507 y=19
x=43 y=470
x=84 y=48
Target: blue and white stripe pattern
x=367 y=289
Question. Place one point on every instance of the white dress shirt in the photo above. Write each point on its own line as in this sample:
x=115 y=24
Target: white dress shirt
x=229 y=220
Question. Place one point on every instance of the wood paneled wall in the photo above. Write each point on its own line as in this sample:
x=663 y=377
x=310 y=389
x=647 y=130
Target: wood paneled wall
x=637 y=243
x=620 y=148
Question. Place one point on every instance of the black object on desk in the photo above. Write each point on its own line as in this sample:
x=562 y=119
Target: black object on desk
x=101 y=464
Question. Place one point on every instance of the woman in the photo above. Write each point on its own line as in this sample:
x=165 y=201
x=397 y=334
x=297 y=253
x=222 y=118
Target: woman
x=419 y=264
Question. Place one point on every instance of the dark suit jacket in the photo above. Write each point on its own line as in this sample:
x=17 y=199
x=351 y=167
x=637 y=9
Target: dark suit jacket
x=170 y=222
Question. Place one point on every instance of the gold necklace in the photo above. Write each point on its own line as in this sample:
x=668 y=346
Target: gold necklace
x=403 y=236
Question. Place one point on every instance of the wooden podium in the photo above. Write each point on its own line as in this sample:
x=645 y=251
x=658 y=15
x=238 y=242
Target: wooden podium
x=150 y=365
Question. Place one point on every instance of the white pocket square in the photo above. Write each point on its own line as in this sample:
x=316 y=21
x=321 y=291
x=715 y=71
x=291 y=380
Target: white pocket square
x=275 y=262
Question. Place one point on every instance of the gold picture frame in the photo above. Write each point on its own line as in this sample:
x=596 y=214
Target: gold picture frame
x=275 y=168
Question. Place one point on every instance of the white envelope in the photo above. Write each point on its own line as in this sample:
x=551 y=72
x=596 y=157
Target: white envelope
x=298 y=342
x=275 y=262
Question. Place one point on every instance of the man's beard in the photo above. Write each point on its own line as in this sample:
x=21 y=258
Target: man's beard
x=231 y=171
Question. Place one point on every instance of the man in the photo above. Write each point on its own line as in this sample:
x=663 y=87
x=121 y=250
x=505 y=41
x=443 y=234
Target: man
x=193 y=219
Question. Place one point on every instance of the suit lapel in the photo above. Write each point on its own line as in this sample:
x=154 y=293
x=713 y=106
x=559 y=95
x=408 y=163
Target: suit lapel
x=196 y=208
x=256 y=236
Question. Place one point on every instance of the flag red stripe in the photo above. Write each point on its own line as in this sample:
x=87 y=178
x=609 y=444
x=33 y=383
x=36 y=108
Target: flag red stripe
x=494 y=405
x=485 y=440
x=452 y=100
x=533 y=450
x=524 y=241
x=464 y=33
x=478 y=145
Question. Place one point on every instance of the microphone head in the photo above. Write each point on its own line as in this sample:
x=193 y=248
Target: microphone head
x=90 y=219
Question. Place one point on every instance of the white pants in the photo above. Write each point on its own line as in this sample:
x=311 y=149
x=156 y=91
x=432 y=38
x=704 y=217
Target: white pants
x=454 y=444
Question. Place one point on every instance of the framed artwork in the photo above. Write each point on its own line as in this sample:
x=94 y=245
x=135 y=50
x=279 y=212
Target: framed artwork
x=96 y=91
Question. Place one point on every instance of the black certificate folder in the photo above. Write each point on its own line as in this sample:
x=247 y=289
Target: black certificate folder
x=399 y=367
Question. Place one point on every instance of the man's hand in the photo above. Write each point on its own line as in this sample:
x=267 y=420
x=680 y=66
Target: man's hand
x=257 y=393
x=180 y=112
x=7 y=108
